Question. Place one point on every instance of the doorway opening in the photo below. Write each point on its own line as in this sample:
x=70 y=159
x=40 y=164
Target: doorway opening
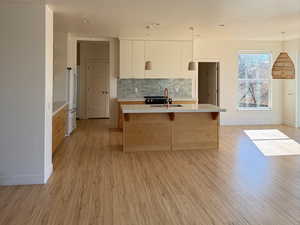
x=208 y=83
x=93 y=70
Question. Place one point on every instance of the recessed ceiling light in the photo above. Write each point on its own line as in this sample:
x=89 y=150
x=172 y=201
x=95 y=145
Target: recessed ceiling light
x=85 y=20
x=221 y=25
x=152 y=25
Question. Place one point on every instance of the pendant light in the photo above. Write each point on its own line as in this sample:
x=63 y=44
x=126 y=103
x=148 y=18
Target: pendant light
x=192 y=65
x=148 y=63
x=283 y=67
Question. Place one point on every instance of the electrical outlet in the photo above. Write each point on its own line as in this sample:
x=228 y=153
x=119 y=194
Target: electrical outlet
x=136 y=90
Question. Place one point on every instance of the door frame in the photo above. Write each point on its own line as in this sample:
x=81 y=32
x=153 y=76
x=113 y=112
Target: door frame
x=91 y=60
x=218 y=62
x=73 y=39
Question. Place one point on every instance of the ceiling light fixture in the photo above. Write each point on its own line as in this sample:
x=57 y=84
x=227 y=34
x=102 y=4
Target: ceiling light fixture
x=283 y=67
x=85 y=20
x=192 y=65
x=148 y=63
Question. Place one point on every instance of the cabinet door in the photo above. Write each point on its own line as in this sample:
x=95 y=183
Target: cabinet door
x=165 y=57
x=175 y=59
x=138 y=59
x=156 y=53
x=186 y=57
x=125 y=58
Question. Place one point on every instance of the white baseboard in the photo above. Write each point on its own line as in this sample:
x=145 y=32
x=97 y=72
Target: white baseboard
x=249 y=123
x=48 y=173
x=289 y=123
x=21 y=180
x=26 y=179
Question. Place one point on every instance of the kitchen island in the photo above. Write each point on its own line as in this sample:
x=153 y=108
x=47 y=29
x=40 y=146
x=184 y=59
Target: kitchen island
x=170 y=128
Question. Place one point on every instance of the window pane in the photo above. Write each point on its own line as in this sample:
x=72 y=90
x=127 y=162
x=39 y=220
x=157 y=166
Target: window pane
x=263 y=94
x=254 y=74
x=242 y=67
x=253 y=94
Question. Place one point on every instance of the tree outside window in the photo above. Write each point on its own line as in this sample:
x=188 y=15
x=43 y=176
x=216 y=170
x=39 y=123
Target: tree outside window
x=254 y=80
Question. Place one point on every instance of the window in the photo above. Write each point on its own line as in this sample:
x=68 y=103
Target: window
x=254 y=81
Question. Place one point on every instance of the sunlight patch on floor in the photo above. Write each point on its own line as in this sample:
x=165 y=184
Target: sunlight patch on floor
x=272 y=142
x=267 y=134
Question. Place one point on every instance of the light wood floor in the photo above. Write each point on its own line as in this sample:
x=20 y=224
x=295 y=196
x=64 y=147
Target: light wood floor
x=95 y=183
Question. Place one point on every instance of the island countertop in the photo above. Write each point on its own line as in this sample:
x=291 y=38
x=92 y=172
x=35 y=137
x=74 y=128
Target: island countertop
x=143 y=99
x=171 y=109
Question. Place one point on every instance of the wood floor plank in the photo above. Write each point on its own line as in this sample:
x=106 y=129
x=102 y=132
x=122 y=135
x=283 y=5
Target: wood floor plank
x=94 y=183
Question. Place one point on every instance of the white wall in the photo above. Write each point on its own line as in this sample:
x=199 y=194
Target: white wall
x=60 y=66
x=25 y=97
x=226 y=52
x=290 y=86
x=298 y=88
x=289 y=90
x=48 y=89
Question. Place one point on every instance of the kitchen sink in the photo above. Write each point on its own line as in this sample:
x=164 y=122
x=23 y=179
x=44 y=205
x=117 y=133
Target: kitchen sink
x=170 y=105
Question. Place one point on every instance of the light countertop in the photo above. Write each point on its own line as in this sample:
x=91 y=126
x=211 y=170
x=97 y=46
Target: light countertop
x=165 y=109
x=57 y=106
x=143 y=99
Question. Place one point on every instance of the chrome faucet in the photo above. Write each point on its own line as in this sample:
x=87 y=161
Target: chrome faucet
x=166 y=94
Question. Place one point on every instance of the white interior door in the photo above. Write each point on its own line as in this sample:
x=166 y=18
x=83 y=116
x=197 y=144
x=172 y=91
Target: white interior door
x=97 y=89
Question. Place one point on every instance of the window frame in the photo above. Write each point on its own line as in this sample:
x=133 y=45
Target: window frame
x=269 y=108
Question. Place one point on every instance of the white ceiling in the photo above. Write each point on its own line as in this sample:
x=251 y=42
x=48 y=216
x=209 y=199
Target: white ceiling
x=243 y=19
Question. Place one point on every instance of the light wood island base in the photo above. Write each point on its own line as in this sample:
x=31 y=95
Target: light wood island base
x=170 y=131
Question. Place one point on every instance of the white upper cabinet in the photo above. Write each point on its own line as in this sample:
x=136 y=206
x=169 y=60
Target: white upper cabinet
x=132 y=60
x=138 y=59
x=169 y=59
x=125 y=58
x=165 y=58
x=186 y=57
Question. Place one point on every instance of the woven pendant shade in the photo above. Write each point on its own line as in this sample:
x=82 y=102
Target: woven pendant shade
x=283 y=67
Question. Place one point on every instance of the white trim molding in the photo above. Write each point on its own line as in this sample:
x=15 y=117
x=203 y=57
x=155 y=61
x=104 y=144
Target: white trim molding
x=21 y=180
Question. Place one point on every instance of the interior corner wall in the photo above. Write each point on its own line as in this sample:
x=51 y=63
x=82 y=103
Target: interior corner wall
x=226 y=52
x=48 y=166
x=298 y=88
x=290 y=87
x=22 y=94
x=114 y=70
x=60 y=66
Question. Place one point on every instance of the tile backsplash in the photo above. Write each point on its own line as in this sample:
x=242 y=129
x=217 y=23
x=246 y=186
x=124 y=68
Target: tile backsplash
x=138 y=88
